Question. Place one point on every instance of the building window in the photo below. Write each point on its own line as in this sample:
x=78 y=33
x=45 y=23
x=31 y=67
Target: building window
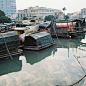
x=27 y=15
x=24 y=15
x=18 y=15
x=21 y=15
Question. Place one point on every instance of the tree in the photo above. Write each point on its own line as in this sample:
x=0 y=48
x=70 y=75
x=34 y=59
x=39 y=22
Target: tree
x=49 y=18
x=2 y=13
x=64 y=11
x=66 y=17
x=25 y=18
x=4 y=19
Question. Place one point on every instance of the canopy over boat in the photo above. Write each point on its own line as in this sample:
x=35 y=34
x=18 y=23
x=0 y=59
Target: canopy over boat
x=38 y=40
x=8 y=41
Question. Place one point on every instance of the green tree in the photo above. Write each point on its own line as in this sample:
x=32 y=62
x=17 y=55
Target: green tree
x=64 y=11
x=25 y=18
x=66 y=17
x=2 y=13
x=4 y=19
x=49 y=18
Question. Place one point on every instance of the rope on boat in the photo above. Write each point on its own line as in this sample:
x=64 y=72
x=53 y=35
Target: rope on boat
x=9 y=51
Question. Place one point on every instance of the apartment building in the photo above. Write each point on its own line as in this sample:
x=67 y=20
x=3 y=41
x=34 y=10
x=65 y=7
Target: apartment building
x=8 y=6
x=75 y=15
x=24 y=13
x=41 y=12
x=83 y=11
x=36 y=12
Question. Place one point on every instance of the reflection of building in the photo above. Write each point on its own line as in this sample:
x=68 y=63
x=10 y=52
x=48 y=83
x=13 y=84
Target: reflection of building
x=8 y=6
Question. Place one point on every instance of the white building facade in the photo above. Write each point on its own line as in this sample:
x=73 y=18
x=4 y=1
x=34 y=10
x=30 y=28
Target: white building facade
x=83 y=12
x=8 y=6
x=36 y=13
x=41 y=12
x=24 y=13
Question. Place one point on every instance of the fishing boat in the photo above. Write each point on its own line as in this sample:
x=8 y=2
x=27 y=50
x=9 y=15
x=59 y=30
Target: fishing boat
x=66 y=28
x=4 y=27
x=9 y=44
x=38 y=41
x=29 y=30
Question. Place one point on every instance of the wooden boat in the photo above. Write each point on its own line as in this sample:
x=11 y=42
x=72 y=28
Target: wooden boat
x=23 y=23
x=38 y=41
x=4 y=27
x=66 y=28
x=18 y=30
x=28 y=31
x=9 y=44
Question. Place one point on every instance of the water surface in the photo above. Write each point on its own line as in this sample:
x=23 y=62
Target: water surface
x=60 y=65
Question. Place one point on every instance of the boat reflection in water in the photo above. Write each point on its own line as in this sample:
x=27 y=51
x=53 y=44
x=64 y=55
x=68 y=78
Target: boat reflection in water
x=10 y=65
x=71 y=44
x=36 y=56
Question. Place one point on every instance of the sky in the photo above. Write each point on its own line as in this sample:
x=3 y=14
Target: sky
x=70 y=5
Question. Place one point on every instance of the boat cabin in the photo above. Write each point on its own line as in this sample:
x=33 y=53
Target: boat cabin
x=66 y=28
x=38 y=41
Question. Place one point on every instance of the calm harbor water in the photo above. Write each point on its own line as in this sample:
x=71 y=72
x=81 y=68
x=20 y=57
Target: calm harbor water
x=63 y=64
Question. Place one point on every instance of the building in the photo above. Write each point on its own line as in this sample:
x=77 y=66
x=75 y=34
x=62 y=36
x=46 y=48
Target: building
x=83 y=11
x=41 y=12
x=8 y=6
x=75 y=15
x=24 y=13
x=58 y=14
x=13 y=16
x=37 y=13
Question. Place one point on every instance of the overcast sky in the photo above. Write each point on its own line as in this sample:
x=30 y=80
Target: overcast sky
x=71 y=5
